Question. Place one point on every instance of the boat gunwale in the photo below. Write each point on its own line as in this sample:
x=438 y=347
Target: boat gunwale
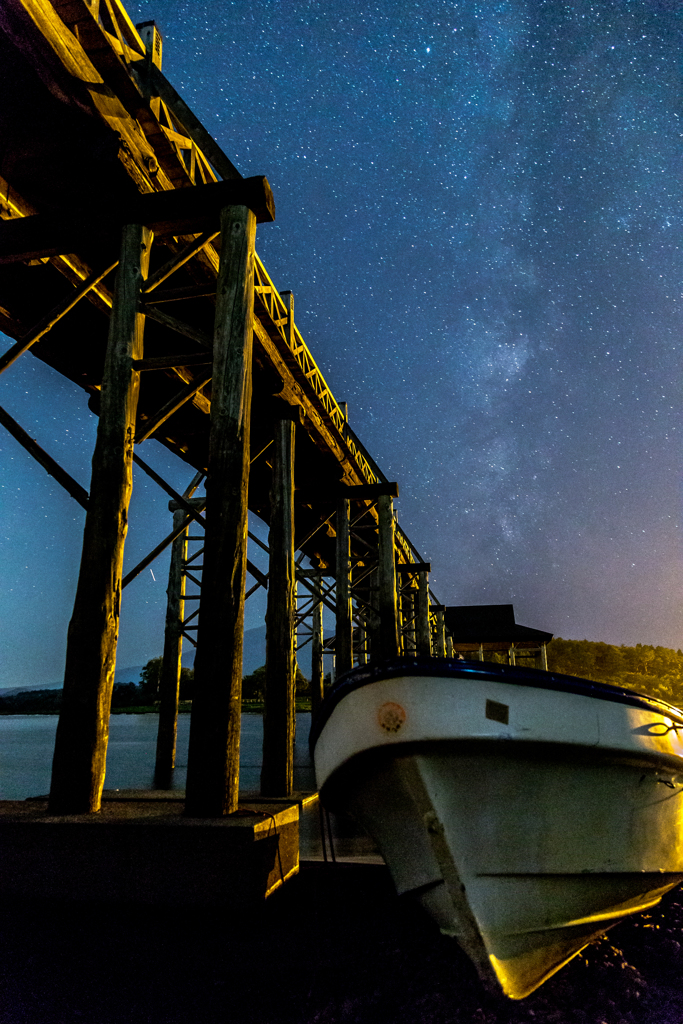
x=539 y=679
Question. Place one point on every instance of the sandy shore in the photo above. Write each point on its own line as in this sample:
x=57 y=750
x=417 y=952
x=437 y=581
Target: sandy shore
x=334 y=947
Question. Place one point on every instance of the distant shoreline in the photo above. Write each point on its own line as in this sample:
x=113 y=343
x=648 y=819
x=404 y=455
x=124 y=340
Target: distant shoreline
x=184 y=708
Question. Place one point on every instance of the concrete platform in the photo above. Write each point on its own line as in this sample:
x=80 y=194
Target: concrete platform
x=141 y=849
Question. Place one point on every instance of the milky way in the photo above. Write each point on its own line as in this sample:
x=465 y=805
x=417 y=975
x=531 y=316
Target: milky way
x=479 y=213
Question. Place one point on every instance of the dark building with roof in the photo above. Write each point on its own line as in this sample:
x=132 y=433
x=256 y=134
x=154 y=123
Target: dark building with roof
x=476 y=629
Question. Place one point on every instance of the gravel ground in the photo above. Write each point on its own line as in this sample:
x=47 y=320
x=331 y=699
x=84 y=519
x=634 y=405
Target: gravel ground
x=335 y=946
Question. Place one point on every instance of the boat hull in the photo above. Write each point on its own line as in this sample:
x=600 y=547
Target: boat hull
x=524 y=839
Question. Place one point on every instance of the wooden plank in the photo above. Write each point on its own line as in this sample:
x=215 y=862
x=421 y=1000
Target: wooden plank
x=344 y=622
x=46 y=461
x=54 y=316
x=213 y=761
x=386 y=572
x=279 y=719
x=78 y=766
x=135 y=152
x=177 y=212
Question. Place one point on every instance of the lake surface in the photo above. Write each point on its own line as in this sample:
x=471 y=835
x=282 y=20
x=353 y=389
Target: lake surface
x=27 y=743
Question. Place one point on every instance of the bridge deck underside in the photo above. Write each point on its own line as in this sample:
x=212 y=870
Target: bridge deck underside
x=64 y=151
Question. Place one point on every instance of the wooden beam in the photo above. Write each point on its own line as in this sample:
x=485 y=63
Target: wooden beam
x=178 y=261
x=213 y=760
x=344 y=623
x=279 y=719
x=78 y=766
x=186 y=330
x=412 y=568
x=364 y=492
x=169 y=682
x=53 y=317
x=172 y=493
x=317 y=663
x=169 y=362
x=177 y=212
x=46 y=461
x=190 y=291
x=147 y=428
x=386 y=573
x=440 y=633
x=423 y=637
x=160 y=86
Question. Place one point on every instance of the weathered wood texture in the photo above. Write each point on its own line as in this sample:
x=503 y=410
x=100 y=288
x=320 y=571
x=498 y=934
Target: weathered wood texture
x=440 y=634
x=344 y=623
x=422 y=630
x=279 y=719
x=213 y=759
x=174 y=212
x=81 y=744
x=386 y=572
x=317 y=663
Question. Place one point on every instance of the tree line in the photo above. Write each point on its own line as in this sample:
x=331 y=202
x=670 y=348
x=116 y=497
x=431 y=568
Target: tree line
x=656 y=671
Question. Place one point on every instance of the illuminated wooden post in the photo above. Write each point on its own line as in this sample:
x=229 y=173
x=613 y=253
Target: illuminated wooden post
x=481 y=652
x=344 y=621
x=317 y=664
x=440 y=637
x=213 y=757
x=279 y=717
x=449 y=646
x=386 y=573
x=79 y=763
x=422 y=630
x=542 y=658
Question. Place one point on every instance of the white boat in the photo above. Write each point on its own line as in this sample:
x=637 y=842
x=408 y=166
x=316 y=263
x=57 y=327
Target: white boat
x=528 y=812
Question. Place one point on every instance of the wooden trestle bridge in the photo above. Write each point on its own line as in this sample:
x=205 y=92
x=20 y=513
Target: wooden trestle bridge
x=122 y=218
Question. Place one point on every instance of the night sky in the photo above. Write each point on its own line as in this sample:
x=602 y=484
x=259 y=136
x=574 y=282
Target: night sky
x=479 y=213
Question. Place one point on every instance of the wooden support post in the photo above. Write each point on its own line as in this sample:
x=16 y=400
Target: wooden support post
x=481 y=652
x=169 y=683
x=362 y=644
x=440 y=646
x=344 y=624
x=511 y=656
x=388 y=625
x=422 y=629
x=449 y=646
x=213 y=757
x=279 y=718
x=317 y=665
x=409 y=608
x=542 y=658
x=80 y=755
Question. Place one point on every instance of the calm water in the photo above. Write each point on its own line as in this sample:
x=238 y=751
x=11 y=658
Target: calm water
x=27 y=743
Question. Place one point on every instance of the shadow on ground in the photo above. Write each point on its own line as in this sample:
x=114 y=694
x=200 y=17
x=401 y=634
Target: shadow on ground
x=335 y=946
